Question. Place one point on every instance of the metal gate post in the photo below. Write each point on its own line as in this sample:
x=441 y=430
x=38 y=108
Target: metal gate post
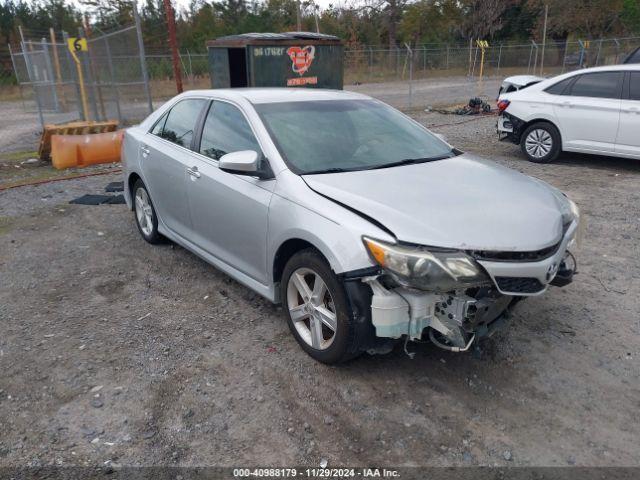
x=143 y=61
x=27 y=61
x=447 y=64
x=47 y=60
x=410 y=55
x=499 y=58
x=15 y=71
x=114 y=86
x=564 y=57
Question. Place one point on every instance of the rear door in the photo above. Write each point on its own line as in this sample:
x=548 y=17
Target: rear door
x=165 y=153
x=628 y=141
x=229 y=212
x=590 y=112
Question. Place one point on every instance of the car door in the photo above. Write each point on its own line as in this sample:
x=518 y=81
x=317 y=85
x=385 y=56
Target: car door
x=229 y=212
x=165 y=154
x=589 y=113
x=628 y=141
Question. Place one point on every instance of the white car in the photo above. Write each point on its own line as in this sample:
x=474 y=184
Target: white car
x=595 y=110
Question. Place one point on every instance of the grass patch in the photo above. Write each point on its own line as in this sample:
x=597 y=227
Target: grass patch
x=5 y=225
x=17 y=157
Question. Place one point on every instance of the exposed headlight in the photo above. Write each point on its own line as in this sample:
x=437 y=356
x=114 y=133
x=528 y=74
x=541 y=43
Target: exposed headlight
x=429 y=269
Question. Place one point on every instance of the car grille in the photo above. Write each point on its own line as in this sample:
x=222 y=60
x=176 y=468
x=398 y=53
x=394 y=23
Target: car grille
x=519 y=284
x=532 y=256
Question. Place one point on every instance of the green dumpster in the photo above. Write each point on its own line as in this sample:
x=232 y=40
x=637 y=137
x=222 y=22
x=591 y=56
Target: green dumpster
x=293 y=59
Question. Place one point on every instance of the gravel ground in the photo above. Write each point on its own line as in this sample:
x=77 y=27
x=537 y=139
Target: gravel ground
x=115 y=350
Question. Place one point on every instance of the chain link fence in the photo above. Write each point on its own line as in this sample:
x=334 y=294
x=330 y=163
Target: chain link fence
x=107 y=81
x=374 y=64
x=122 y=81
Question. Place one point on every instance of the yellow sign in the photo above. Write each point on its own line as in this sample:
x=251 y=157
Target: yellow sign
x=482 y=43
x=77 y=44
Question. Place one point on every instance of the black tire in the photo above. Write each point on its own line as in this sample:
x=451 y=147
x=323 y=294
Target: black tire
x=556 y=145
x=153 y=236
x=345 y=343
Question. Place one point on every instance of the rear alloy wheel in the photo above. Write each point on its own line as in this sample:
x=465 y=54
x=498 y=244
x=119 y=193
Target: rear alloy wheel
x=146 y=218
x=540 y=142
x=317 y=308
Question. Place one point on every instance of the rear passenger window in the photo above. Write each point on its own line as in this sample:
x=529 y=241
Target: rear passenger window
x=634 y=86
x=560 y=87
x=598 y=85
x=225 y=131
x=180 y=122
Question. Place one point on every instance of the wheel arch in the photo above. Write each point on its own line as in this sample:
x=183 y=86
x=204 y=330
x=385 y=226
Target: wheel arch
x=288 y=249
x=131 y=181
x=528 y=123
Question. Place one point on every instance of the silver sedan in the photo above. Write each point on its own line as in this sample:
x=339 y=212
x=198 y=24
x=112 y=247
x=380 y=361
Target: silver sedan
x=367 y=227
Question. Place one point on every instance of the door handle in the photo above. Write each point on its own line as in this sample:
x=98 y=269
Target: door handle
x=145 y=151
x=633 y=110
x=193 y=171
x=566 y=104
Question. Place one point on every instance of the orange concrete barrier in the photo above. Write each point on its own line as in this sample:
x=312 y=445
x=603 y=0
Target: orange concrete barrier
x=82 y=150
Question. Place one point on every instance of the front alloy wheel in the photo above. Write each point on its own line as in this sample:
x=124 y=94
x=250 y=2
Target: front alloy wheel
x=318 y=310
x=311 y=308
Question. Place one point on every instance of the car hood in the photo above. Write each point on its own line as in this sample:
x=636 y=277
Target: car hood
x=461 y=202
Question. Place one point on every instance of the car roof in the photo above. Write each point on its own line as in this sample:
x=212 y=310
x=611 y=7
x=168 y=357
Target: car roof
x=278 y=95
x=608 y=68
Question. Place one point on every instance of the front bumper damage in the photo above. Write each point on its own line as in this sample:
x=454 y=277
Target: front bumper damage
x=455 y=320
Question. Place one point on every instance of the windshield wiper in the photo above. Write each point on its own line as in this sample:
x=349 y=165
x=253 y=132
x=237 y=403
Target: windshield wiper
x=410 y=161
x=329 y=170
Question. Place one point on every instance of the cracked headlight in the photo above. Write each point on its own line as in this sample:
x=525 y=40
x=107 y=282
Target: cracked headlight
x=427 y=268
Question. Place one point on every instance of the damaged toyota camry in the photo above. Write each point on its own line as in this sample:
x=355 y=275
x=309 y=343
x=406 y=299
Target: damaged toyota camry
x=366 y=227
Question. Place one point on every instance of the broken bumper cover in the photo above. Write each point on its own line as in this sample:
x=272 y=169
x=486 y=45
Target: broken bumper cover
x=509 y=127
x=472 y=313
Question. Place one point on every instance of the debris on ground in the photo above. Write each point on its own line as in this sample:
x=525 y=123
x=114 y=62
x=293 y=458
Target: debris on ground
x=476 y=106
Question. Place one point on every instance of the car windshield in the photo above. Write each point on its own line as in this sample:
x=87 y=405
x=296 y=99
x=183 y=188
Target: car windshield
x=347 y=135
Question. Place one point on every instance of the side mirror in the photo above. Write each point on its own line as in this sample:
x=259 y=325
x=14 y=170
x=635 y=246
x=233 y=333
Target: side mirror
x=244 y=162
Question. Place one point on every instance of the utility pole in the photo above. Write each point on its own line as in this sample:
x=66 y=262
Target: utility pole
x=173 y=44
x=298 y=19
x=316 y=8
x=544 y=36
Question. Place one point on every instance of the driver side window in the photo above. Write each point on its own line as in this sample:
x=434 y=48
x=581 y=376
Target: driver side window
x=225 y=131
x=177 y=126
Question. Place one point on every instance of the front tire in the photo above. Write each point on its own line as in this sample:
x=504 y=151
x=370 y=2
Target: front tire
x=317 y=309
x=541 y=142
x=145 y=213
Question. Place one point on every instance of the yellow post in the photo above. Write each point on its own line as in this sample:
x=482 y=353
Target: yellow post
x=483 y=44
x=80 y=45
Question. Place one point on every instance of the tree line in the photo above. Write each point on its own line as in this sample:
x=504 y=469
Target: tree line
x=359 y=23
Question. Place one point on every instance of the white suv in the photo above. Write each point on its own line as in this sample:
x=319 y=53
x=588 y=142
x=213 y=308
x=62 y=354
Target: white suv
x=595 y=110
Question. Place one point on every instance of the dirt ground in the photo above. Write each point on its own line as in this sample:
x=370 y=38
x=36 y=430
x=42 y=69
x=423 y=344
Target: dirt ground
x=116 y=351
